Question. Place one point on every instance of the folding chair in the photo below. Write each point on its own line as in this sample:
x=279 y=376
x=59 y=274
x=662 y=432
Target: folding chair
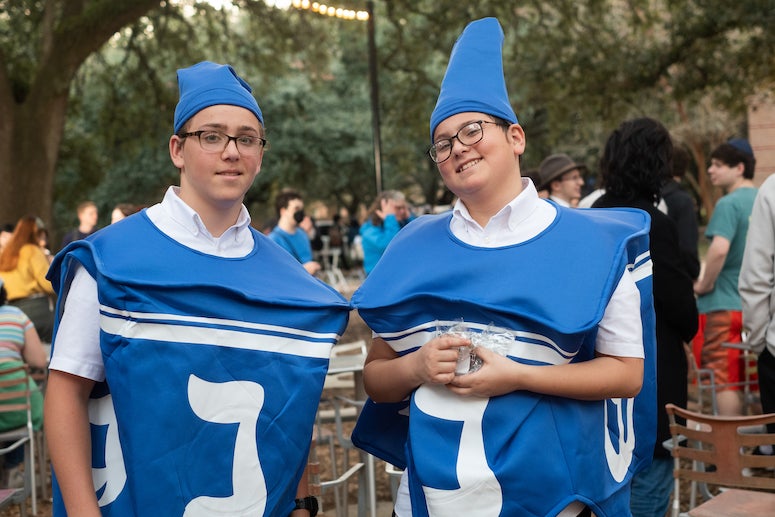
x=15 y=396
x=337 y=409
x=718 y=451
x=13 y=496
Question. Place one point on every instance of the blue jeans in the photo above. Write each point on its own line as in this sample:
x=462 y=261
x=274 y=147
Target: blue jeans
x=651 y=489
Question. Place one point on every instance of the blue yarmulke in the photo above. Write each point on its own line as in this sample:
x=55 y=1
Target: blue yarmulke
x=474 y=79
x=741 y=144
x=207 y=84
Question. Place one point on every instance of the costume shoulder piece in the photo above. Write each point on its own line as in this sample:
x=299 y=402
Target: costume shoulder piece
x=426 y=262
x=128 y=251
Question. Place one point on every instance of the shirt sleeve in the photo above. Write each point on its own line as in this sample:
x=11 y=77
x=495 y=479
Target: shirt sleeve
x=723 y=222
x=620 y=332
x=38 y=265
x=757 y=273
x=76 y=347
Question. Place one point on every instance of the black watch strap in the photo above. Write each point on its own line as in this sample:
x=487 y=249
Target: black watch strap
x=308 y=503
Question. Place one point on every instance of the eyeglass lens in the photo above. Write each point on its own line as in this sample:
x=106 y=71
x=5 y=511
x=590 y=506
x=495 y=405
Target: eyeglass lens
x=467 y=135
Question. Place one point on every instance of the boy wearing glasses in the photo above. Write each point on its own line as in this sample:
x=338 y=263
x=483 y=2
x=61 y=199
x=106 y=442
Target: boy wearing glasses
x=553 y=426
x=183 y=381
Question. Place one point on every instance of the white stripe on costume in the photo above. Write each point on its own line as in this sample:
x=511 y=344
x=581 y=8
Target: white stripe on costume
x=642 y=268
x=216 y=321
x=122 y=325
x=527 y=345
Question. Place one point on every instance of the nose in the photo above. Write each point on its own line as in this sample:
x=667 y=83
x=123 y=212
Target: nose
x=231 y=147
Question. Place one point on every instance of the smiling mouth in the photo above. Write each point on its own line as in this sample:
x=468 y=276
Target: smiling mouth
x=468 y=165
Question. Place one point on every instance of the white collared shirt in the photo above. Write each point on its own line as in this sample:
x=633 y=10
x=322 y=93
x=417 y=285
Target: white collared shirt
x=77 y=345
x=560 y=201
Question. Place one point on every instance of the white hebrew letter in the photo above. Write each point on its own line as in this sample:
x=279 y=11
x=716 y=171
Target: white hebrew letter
x=233 y=402
x=480 y=493
x=113 y=475
x=618 y=464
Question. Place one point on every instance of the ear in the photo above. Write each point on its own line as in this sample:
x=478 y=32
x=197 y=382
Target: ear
x=176 y=151
x=516 y=136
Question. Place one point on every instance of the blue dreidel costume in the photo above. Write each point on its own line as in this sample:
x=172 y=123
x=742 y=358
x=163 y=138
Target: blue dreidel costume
x=213 y=366
x=521 y=453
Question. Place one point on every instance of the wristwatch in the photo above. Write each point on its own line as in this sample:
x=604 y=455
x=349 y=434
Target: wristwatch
x=308 y=503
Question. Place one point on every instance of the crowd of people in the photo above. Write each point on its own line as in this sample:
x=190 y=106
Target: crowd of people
x=214 y=322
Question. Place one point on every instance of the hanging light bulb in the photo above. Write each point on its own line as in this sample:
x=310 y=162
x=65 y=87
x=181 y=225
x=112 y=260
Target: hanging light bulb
x=329 y=10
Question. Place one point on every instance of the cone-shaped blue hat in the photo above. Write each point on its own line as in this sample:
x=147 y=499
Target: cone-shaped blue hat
x=474 y=79
x=206 y=84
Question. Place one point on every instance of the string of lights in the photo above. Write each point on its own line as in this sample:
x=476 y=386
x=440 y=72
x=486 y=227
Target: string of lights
x=329 y=10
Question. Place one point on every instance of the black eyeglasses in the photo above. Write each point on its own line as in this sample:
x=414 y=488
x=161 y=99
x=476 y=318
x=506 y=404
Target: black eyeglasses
x=469 y=134
x=213 y=141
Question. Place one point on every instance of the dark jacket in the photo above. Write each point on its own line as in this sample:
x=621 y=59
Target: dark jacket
x=682 y=210
x=675 y=308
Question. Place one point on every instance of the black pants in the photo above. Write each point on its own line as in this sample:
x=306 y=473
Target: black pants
x=766 y=369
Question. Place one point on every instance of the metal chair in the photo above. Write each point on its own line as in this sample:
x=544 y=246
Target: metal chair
x=13 y=496
x=336 y=408
x=717 y=450
x=750 y=383
x=15 y=396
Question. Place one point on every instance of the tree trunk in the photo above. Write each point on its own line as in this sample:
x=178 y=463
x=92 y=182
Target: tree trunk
x=33 y=107
x=31 y=138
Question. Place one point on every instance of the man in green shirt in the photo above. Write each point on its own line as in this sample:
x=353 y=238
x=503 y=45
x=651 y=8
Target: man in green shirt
x=718 y=301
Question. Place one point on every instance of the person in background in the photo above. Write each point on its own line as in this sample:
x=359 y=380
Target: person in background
x=122 y=211
x=532 y=431
x=387 y=215
x=563 y=178
x=23 y=268
x=682 y=210
x=5 y=235
x=190 y=353
x=731 y=168
x=757 y=293
x=534 y=175
x=43 y=241
x=289 y=234
x=87 y=223
x=636 y=161
x=19 y=344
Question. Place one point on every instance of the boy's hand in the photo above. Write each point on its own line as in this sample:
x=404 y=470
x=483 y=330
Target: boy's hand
x=436 y=359
x=495 y=377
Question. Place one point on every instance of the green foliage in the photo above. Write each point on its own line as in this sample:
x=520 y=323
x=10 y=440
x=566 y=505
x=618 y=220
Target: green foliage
x=574 y=71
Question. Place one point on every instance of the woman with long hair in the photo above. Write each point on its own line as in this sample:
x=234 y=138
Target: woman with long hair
x=23 y=268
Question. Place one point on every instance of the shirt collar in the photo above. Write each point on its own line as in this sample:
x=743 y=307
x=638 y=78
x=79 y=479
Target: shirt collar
x=187 y=217
x=510 y=216
x=560 y=201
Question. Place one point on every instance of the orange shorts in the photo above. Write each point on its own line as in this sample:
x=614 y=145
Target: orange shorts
x=716 y=328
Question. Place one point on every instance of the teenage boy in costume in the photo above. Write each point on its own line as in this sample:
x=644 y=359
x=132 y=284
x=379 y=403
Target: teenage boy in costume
x=552 y=428
x=190 y=344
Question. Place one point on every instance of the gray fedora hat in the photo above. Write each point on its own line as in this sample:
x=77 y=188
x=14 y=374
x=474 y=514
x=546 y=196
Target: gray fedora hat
x=555 y=166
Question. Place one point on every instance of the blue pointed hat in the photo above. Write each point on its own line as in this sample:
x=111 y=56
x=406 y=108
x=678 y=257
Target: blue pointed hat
x=474 y=79
x=206 y=84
